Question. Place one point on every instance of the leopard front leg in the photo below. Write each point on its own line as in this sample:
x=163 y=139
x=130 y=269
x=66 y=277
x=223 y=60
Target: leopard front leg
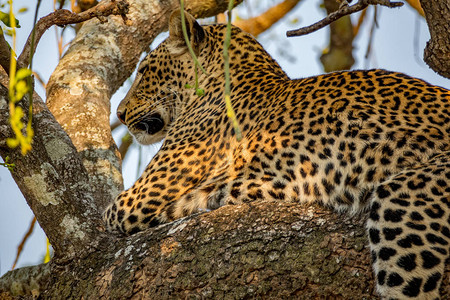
x=409 y=231
x=175 y=184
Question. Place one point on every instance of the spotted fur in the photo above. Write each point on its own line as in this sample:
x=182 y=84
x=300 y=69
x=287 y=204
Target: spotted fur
x=355 y=141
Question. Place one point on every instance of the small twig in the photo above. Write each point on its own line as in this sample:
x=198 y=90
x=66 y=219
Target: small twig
x=371 y=35
x=64 y=17
x=61 y=4
x=22 y=244
x=343 y=11
x=416 y=5
x=361 y=19
x=115 y=124
x=39 y=79
x=127 y=140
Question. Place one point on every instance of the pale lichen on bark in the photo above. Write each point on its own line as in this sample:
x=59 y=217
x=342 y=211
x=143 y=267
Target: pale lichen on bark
x=56 y=149
x=26 y=280
x=72 y=227
x=37 y=184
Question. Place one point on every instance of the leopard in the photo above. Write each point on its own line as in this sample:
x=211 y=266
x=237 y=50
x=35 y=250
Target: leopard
x=363 y=141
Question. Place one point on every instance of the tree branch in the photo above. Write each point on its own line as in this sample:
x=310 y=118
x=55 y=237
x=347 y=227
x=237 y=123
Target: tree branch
x=437 y=51
x=261 y=23
x=265 y=249
x=339 y=53
x=63 y=17
x=52 y=179
x=25 y=281
x=342 y=11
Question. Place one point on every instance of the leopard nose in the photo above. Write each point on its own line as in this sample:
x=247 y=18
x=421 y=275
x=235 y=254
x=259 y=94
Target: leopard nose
x=121 y=114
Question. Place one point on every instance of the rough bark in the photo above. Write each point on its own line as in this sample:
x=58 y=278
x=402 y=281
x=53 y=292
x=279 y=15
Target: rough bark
x=273 y=250
x=267 y=249
x=437 y=51
x=52 y=179
x=263 y=250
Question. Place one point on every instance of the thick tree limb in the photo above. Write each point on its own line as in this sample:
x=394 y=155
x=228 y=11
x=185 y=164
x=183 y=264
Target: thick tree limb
x=271 y=250
x=437 y=51
x=52 y=179
x=342 y=11
x=25 y=281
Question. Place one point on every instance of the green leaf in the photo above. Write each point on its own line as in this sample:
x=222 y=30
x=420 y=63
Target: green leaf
x=199 y=92
x=22 y=10
x=4 y=17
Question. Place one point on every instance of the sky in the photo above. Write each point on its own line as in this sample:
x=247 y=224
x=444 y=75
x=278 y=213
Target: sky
x=397 y=45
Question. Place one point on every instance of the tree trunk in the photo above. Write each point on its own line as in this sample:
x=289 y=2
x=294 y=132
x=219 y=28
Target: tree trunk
x=339 y=55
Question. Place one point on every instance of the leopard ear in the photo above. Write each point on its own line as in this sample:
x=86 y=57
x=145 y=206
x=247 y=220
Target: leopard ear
x=196 y=34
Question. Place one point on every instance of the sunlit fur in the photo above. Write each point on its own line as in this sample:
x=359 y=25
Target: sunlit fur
x=359 y=141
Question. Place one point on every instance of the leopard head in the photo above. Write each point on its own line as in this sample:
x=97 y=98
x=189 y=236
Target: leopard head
x=151 y=105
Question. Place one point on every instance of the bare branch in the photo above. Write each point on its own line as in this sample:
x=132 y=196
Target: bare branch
x=115 y=125
x=24 y=240
x=343 y=11
x=64 y=17
x=361 y=19
x=371 y=35
x=39 y=79
x=261 y=23
x=127 y=140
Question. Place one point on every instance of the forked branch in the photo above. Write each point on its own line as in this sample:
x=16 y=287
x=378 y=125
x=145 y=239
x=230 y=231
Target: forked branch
x=344 y=10
x=63 y=17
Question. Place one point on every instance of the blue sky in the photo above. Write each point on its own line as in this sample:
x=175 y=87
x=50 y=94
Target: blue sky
x=398 y=46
